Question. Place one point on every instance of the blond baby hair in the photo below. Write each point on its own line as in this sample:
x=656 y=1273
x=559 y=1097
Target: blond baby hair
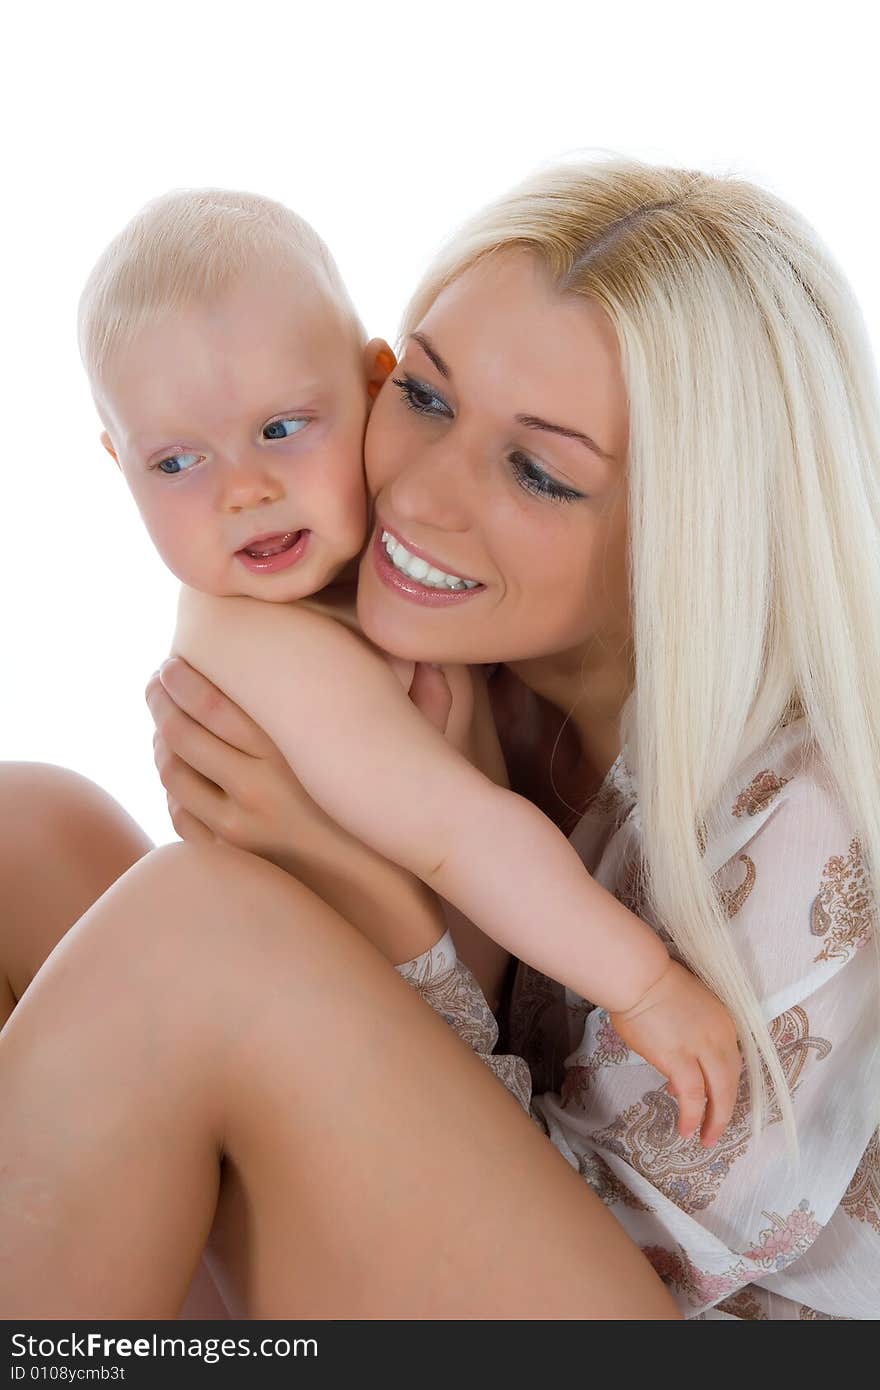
x=188 y=247
x=754 y=495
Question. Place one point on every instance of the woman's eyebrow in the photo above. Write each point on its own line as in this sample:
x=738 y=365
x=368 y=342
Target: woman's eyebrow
x=534 y=422
x=430 y=351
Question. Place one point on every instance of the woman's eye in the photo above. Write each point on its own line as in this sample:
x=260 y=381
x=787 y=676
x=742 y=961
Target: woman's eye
x=177 y=463
x=421 y=398
x=532 y=478
x=283 y=429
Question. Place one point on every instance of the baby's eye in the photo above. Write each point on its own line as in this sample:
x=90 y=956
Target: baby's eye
x=177 y=463
x=283 y=429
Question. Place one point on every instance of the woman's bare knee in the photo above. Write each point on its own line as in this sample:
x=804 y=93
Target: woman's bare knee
x=63 y=841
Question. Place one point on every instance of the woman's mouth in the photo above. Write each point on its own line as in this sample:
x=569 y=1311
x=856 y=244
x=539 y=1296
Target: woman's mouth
x=277 y=550
x=415 y=576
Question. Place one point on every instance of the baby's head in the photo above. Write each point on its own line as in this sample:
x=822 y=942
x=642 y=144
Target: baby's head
x=232 y=378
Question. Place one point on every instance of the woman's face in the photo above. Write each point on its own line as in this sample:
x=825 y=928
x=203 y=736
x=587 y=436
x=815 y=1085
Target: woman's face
x=496 y=455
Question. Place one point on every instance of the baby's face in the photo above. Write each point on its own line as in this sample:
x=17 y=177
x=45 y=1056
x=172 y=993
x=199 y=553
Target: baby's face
x=239 y=429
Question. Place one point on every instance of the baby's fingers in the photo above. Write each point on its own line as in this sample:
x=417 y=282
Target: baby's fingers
x=688 y=1086
x=722 y=1073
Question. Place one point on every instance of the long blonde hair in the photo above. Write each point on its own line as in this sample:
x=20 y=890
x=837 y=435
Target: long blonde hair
x=754 y=496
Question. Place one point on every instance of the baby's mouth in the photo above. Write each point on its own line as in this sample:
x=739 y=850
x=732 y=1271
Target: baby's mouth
x=273 y=543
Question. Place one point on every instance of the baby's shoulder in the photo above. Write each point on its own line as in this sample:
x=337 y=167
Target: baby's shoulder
x=314 y=629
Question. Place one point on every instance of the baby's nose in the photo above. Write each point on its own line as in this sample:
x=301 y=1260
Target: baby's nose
x=246 y=487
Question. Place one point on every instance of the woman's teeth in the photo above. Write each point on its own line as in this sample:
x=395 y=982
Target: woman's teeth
x=419 y=569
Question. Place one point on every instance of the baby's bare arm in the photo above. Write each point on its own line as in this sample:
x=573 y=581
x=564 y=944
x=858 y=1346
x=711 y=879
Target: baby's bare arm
x=366 y=755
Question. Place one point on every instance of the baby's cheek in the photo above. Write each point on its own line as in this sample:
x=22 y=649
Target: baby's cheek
x=183 y=550
x=350 y=497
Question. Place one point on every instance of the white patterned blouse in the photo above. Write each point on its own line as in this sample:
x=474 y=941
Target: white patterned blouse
x=735 y=1231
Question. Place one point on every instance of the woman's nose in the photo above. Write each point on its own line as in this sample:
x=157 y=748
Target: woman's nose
x=246 y=485
x=433 y=489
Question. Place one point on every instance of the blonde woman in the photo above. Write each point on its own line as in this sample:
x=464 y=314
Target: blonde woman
x=637 y=404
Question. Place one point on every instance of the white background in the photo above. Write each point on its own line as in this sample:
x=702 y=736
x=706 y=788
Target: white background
x=384 y=124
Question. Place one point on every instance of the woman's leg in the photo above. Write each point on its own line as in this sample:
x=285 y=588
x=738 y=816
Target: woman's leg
x=210 y=1027
x=63 y=841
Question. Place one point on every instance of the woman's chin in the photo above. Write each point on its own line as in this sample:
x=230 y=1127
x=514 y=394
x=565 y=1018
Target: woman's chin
x=398 y=633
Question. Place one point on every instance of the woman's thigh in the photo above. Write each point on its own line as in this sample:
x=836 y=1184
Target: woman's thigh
x=63 y=841
x=211 y=1026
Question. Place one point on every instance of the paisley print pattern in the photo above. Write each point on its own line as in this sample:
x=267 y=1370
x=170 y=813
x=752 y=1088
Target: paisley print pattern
x=763 y=787
x=861 y=1201
x=646 y=1137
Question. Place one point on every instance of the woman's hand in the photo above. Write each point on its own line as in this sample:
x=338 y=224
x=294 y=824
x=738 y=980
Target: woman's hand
x=224 y=777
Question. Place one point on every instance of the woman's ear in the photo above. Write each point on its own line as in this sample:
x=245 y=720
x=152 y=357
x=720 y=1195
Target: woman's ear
x=379 y=362
x=108 y=445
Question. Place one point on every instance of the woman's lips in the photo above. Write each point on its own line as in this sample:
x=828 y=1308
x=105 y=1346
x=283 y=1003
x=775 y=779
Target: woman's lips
x=284 y=549
x=410 y=588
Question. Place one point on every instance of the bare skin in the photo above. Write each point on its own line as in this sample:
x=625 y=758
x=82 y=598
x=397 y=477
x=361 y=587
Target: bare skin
x=178 y=1080
x=63 y=842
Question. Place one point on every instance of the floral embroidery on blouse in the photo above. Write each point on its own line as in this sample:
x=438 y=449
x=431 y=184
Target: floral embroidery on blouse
x=645 y=1135
x=778 y=1245
x=861 y=1200
x=785 y=1238
x=843 y=909
x=759 y=793
x=699 y=1286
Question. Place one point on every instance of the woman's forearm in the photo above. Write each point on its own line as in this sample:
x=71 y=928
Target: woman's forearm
x=389 y=906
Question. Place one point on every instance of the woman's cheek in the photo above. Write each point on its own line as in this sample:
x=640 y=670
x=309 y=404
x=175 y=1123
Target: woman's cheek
x=382 y=442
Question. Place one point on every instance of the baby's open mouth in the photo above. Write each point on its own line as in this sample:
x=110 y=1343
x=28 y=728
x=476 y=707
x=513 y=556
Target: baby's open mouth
x=274 y=543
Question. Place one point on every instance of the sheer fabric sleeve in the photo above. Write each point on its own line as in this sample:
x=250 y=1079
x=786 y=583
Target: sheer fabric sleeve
x=740 y=1225
x=447 y=985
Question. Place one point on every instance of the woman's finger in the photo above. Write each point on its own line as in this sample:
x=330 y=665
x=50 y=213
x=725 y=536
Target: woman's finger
x=687 y=1084
x=187 y=826
x=216 y=760
x=430 y=693
x=203 y=702
x=188 y=789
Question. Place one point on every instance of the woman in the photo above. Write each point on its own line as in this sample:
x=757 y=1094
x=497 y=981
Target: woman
x=637 y=405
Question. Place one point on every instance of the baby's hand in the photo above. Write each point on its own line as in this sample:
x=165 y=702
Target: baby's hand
x=688 y=1035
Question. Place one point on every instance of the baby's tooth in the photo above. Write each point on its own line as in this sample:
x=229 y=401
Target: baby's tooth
x=418 y=568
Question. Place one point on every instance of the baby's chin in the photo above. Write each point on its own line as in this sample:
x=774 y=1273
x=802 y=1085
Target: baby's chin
x=278 y=588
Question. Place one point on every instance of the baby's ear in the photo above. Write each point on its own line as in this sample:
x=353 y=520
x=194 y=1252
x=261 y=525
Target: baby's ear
x=108 y=445
x=379 y=362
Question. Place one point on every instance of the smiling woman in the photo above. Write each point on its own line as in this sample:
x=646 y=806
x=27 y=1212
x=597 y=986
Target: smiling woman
x=462 y=477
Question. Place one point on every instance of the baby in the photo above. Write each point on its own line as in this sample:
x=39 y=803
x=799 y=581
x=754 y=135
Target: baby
x=232 y=377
